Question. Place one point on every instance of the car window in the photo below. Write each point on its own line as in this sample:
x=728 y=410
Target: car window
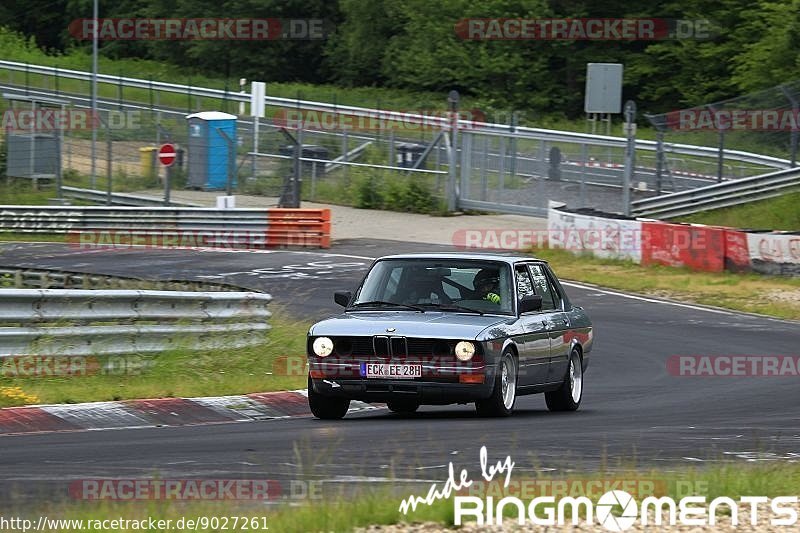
x=542 y=287
x=392 y=283
x=553 y=288
x=524 y=283
x=440 y=282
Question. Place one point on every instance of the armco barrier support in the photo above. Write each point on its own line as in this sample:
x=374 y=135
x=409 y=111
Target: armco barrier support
x=684 y=245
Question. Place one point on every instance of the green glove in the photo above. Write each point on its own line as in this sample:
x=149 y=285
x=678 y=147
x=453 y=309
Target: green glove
x=492 y=297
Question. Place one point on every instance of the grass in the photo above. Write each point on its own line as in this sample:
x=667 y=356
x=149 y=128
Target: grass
x=369 y=506
x=173 y=373
x=753 y=293
x=21 y=192
x=31 y=237
x=781 y=213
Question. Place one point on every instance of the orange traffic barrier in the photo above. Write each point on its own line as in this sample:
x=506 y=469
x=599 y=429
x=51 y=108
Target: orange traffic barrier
x=299 y=227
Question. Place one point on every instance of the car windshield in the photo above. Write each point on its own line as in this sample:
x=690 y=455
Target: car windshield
x=472 y=285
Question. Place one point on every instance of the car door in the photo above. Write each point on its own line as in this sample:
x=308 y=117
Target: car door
x=555 y=322
x=534 y=358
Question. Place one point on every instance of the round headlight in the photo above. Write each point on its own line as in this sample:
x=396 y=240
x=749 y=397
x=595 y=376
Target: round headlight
x=465 y=350
x=322 y=346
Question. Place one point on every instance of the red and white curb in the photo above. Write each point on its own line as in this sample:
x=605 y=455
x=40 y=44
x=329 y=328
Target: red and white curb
x=160 y=412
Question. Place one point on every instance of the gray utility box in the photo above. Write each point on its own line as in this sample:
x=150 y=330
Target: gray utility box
x=32 y=155
x=310 y=151
x=409 y=153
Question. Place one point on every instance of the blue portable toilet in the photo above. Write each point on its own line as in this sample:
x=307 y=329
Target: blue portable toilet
x=210 y=157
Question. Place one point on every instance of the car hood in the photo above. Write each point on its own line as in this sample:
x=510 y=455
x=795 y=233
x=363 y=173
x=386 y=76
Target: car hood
x=407 y=323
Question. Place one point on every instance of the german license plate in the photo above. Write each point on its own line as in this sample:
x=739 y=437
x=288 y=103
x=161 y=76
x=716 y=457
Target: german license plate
x=389 y=371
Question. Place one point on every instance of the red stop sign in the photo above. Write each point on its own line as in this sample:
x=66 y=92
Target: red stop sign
x=166 y=154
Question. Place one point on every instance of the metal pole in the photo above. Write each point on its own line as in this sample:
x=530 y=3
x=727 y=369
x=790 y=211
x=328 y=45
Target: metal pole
x=345 y=148
x=793 y=136
x=659 y=160
x=167 y=184
x=483 y=166
x=32 y=153
x=314 y=180
x=95 y=16
x=452 y=195
x=109 y=157
x=298 y=178
x=392 y=162
x=59 y=146
x=466 y=166
x=630 y=155
x=255 y=143
x=513 y=166
x=584 y=162
x=721 y=156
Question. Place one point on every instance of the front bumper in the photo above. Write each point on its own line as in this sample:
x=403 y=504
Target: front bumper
x=423 y=392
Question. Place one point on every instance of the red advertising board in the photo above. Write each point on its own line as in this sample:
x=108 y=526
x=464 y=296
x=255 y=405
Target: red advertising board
x=737 y=253
x=682 y=245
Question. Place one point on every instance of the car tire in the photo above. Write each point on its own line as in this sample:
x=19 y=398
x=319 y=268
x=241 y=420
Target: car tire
x=504 y=394
x=568 y=397
x=326 y=407
x=403 y=407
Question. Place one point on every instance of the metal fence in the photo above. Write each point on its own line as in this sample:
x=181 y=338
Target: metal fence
x=107 y=322
x=767 y=121
x=365 y=157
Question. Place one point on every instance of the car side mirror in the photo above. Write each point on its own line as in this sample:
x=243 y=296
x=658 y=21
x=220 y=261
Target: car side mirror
x=532 y=302
x=343 y=297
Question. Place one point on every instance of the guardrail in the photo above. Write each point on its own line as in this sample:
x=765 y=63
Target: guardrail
x=42 y=278
x=174 y=226
x=719 y=195
x=108 y=322
x=117 y=198
x=442 y=122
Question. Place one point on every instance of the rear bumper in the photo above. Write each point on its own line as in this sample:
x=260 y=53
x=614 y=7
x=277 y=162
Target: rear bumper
x=423 y=392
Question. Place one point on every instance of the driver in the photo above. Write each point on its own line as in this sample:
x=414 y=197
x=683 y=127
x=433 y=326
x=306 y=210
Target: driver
x=486 y=285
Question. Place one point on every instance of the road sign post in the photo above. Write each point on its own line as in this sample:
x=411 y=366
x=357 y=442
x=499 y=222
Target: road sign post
x=630 y=155
x=166 y=156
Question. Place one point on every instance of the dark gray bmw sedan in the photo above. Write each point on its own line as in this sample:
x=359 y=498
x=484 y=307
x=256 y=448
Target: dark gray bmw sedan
x=438 y=329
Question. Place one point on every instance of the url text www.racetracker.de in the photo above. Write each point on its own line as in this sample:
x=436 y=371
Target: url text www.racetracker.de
x=191 y=523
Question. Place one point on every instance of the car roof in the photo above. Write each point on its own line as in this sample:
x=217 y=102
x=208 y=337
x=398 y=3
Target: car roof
x=482 y=256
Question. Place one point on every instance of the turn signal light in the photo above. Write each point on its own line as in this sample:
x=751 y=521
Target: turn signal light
x=471 y=378
x=316 y=374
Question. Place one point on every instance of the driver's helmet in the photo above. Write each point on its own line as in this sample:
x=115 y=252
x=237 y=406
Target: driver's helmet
x=488 y=279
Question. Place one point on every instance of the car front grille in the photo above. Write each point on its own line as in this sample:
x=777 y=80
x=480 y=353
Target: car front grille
x=386 y=346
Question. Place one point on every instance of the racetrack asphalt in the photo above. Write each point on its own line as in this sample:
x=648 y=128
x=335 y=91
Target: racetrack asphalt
x=634 y=413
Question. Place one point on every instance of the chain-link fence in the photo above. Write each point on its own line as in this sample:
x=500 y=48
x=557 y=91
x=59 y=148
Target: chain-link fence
x=764 y=122
x=310 y=151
